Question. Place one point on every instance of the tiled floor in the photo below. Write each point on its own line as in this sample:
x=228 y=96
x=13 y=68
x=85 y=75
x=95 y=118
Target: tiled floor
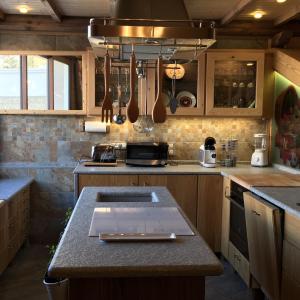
x=23 y=279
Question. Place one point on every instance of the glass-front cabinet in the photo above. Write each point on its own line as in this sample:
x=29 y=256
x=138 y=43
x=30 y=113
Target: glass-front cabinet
x=235 y=83
x=119 y=85
x=185 y=80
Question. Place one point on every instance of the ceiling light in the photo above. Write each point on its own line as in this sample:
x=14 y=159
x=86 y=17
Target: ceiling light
x=258 y=14
x=281 y=1
x=23 y=9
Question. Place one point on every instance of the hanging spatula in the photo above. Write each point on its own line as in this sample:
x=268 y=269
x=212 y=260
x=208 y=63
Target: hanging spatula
x=159 y=113
x=132 y=107
x=107 y=108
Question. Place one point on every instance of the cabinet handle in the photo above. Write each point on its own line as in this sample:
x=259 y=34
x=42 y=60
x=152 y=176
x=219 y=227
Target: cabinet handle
x=146 y=184
x=226 y=190
x=133 y=183
x=256 y=213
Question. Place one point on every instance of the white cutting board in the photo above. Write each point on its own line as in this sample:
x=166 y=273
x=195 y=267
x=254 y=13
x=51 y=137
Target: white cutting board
x=138 y=220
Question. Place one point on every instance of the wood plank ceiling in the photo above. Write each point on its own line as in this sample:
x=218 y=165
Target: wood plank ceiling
x=227 y=13
x=198 y=9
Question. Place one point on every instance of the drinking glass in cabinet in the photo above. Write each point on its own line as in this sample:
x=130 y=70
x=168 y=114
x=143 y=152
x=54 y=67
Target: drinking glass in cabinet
x=235 y=84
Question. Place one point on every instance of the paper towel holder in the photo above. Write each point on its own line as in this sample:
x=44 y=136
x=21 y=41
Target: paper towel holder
x=96 y=126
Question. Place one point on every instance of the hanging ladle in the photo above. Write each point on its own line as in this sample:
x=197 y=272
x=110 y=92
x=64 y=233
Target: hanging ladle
x=119 y=118
x=173 y=101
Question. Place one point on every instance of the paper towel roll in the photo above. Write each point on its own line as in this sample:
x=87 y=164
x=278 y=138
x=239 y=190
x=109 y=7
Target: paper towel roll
x=95 y=126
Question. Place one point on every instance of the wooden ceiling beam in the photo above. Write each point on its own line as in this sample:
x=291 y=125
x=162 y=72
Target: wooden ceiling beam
x=235 y=11
x=288 y=16
x=2 y=15
x=52 y=9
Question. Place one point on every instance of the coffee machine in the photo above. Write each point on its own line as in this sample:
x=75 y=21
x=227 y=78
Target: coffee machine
x=260 y=155
x=207 y=153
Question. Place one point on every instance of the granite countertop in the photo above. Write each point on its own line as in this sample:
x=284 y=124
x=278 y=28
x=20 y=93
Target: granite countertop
x=9 y=187
x=79 y=255
x=169 y=169
x=287 y=198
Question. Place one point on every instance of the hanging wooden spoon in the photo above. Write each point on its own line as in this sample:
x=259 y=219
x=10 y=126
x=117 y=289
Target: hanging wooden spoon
x=132 y=107
x=159 y=113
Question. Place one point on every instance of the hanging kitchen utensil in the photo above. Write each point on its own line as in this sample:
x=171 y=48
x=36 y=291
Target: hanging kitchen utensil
x=173 y=101
x=132 y=108
x=119 y=118
x=144 y=123
x=159 y=113
x=107 y=108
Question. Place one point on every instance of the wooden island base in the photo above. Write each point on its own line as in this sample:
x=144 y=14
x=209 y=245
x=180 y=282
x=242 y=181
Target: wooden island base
x=159 y=288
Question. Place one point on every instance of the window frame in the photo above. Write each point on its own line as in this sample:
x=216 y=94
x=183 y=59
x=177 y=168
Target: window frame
x=22 y=111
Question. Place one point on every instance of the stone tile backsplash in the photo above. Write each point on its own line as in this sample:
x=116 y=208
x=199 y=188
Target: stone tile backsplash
x=47 y=148
x=58 y=139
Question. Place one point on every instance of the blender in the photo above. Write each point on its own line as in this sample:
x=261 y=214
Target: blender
x=260 y=155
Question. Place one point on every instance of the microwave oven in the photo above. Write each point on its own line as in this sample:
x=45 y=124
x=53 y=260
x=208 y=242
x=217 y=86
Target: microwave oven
x=147 y=154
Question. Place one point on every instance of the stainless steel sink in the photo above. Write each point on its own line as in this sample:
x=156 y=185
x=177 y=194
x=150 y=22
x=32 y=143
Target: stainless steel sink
x=127 y=197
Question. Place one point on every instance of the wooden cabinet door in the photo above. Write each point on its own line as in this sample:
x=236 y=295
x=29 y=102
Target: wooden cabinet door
x=209 y=209
x=234 y=83
x=106 y=180
x=225 y=217
x=264 y=242
x=182 y=187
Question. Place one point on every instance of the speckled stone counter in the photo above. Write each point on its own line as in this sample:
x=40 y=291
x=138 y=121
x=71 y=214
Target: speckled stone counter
x=9 y=187
x=287 y=198
x=79 y=255
x=178 y=169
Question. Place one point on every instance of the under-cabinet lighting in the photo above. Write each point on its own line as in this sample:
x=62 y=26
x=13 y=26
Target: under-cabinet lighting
x=281 y=1
x=250 y=64
x=23 y=9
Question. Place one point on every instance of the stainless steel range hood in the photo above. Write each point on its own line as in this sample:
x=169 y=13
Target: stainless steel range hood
x=151 y=28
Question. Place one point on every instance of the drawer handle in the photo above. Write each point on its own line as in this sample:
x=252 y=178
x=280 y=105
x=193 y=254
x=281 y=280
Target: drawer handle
x=146 y=184
x=133 y=183
x=256 y=213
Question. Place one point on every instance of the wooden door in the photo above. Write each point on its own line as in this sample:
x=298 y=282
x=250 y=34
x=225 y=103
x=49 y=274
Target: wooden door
x=209 y=209
x=225 y=217
x=106 y=180
x=264 y=242
x=182 y=187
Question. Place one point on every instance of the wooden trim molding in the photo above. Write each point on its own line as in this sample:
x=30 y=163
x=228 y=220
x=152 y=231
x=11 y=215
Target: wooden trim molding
x=24 y=88
x=24 y=99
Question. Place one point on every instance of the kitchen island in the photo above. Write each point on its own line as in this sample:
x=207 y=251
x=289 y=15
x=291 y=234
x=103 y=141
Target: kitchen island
x=131 y=270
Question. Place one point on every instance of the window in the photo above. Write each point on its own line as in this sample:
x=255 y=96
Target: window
x=41 y=82
x=10 y=78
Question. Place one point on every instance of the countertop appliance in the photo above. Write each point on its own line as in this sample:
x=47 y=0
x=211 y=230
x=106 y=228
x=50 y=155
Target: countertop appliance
x=260 y=155
x=147 y=154
x=207 y=153
x=104 y=153
x=237 y=228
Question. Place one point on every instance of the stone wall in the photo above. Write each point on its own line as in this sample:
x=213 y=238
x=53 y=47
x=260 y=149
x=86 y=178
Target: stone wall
x=48 y=147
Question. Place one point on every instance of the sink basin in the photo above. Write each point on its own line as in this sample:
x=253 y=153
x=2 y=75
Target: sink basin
x=127 y=197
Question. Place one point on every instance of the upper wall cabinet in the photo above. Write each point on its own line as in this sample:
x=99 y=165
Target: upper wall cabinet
x=188 y=87
x=119 y=81
x=235 y=83
x=185 y=81
x=42 y=82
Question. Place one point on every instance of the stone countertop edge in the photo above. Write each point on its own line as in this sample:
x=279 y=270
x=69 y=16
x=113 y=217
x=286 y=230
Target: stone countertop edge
x=11 y=186
x=178 y=169
x=286 y=198
x=81 y=256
